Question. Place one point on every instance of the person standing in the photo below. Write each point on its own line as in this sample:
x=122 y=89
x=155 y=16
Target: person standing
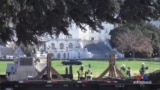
x=81 y=73
x=88 y=74
x=89 y=66
x=128 y=72
x=123 y=70
x=143 y=69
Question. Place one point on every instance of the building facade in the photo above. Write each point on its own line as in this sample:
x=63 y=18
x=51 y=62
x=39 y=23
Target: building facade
x=74 y=46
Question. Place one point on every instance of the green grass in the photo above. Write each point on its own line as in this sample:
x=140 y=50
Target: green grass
x=3 y=66
x=97 y=66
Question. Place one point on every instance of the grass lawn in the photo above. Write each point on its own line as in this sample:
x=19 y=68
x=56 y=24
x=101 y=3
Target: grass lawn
x=97 y=66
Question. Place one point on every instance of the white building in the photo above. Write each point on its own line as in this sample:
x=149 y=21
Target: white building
x=66 y=48
x=74 y=46
x=6 y=52
x=79 y=44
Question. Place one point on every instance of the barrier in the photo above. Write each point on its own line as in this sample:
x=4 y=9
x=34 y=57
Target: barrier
x=75 y=85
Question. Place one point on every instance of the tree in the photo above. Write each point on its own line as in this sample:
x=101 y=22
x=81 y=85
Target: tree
x=139 y=10
x=153 y=33
x=33 y=18
x=132 y=38
x=132 y=41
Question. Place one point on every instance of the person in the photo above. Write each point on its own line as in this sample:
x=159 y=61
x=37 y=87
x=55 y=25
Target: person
x=143 y=69
x=123 y=70
x=81 y=73
x=89 y=65
x=88 y=74
x=145 y=77
x=66 y=70
x=128 y=72
x=139 y=77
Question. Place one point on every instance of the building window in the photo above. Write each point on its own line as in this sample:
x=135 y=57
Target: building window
x=52 y=45
x=64 y=55
x=58 y=55
x=61 y=46
x=92 y=38
x=68 y=55
x=69 y=36
x=79 y=55
x=70 y=45
x=78 y=46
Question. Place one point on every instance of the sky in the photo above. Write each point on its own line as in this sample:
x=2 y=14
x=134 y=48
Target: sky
x=156 y=23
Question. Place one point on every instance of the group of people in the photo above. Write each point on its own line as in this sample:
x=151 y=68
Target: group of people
x=84 y=75
x=142 y=72
x=126 y=71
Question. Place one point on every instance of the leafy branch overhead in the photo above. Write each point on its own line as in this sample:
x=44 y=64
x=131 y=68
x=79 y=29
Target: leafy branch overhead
x=28 y=19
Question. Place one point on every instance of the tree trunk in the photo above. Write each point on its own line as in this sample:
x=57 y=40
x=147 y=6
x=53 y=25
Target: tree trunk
x=28 y=50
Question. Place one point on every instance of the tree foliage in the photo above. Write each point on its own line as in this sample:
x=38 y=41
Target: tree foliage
x=141 y=37
x=153 y=33
x=33 y=18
